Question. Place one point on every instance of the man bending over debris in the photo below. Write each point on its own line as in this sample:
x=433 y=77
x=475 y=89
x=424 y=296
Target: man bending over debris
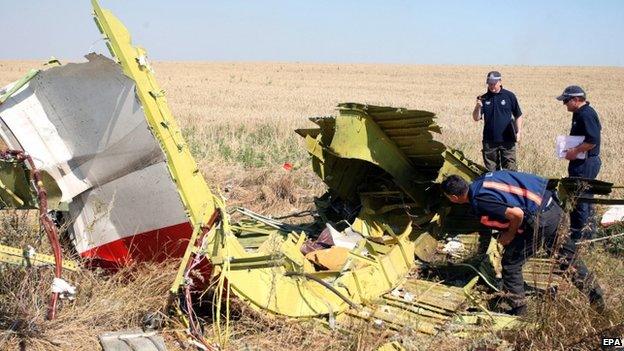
x=519 y=205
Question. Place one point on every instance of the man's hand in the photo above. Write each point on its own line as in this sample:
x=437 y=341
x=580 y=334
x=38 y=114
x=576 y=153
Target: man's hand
x=505 y=238
x=476 y=113
x=518 y=137
x=572 y=154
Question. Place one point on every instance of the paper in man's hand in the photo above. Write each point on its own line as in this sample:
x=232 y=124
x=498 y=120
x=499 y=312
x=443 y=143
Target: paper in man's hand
x=566 y=142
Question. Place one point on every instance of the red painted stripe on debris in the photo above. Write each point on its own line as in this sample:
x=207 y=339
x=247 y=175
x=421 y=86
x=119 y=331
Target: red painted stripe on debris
x=155 y=245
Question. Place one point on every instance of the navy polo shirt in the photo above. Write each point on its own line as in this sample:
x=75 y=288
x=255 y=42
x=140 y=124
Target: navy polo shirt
x=491 y=194
x=585 y=122
x=497 y=111
x=488 y=205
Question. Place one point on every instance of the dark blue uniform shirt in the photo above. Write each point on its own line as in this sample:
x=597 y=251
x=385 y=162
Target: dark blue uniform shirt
x=489 y=205
x=498 y=109
x=491 y=194
x=585 y=122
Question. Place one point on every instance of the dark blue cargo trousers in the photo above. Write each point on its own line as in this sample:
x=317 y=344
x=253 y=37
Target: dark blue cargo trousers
x=582 y=225
x=563 y=248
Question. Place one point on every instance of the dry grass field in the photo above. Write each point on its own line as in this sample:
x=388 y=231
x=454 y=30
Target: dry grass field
x=244 y=114
x=239 y=120
x=250 y=99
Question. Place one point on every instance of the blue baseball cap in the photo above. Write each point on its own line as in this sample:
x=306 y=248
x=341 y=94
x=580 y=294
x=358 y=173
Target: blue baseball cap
x=493 y=77
x=570 y=92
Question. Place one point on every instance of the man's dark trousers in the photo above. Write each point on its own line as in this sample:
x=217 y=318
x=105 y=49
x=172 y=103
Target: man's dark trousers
x=582 y=225
x=497 y=156
x=524 y=245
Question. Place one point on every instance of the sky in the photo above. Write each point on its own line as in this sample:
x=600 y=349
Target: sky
x=561 y=33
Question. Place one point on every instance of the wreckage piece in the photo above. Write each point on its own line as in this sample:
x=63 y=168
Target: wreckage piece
x=83 y=125
x=30 y=258
x=132 y=340
x=17 y=191
x=399 y=141
x=390 y=346
x=385 y=161
x=430 y=308
x=419 y=306
x=36 y=181
x=422 y=306
x=273 y=278
x=575 y=189
x=16 y=188
x=279 y=279
x=347 y=148
x=471 y=324
x=191 y=185
x=205 y=212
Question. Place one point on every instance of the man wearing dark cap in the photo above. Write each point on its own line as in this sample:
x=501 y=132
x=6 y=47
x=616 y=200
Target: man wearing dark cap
x=584 y=158
x=502 y=128
x=524 y=211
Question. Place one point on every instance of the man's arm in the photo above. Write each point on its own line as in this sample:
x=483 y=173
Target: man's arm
x=519 y=121
x=515 y=215
x=476 y=113
x=516 y=111
x=572 y=153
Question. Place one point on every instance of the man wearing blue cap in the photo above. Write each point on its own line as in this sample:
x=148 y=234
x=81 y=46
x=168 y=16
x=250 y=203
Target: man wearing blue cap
x=584 y=158
x=502 y=127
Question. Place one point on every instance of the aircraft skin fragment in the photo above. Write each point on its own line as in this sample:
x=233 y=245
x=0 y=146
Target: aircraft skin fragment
x=357 y=136
x=84 y=126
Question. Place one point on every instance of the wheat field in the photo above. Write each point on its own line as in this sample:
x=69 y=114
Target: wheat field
x=245 y=113
x=239 y=118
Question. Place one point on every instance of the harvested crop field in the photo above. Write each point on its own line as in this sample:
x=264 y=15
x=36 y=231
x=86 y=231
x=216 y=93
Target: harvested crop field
x=239 y=119
x=243 y=114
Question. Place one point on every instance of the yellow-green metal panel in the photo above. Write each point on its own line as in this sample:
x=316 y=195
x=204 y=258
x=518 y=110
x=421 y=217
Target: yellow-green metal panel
x=268 y=288
x=357 y=136
x=15 y=256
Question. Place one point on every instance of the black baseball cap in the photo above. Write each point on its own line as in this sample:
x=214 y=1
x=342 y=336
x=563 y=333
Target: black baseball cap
x=570 y=92
x=493 y=77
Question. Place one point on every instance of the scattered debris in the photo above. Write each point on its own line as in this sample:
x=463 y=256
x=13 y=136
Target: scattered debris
x=614 y=214
x=64 y=289
x=453 y=247
x=136 y=340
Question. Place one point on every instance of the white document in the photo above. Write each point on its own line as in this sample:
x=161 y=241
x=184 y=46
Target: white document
x=566 y=142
